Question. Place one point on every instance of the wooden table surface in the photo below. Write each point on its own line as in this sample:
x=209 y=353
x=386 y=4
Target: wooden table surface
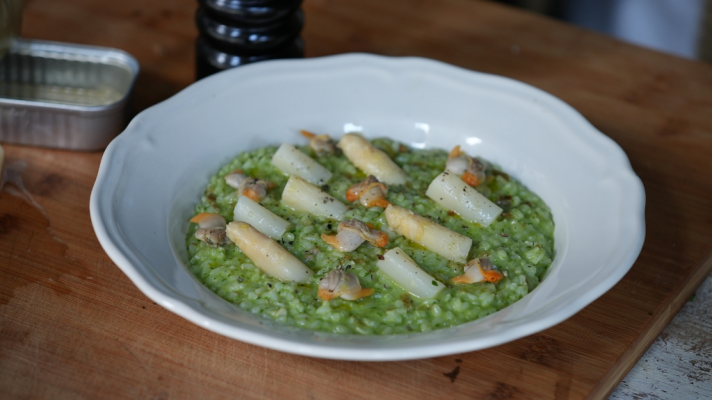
x=73 y=326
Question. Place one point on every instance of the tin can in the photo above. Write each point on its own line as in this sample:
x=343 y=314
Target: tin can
x=63 y=95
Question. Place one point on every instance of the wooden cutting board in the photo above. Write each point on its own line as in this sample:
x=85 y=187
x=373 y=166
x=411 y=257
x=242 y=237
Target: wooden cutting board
x=73 y=326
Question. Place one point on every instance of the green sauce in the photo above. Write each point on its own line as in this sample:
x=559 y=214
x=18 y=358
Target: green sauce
x=520 y=243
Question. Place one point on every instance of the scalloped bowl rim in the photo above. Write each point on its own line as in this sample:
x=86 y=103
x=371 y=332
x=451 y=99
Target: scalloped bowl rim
x=422 y=102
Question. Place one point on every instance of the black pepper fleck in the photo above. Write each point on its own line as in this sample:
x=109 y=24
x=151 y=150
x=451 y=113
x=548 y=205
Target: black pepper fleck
x=453 y=375
x=269 y=284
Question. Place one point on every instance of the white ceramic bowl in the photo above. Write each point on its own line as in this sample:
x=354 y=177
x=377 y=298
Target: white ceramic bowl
x=154 y=173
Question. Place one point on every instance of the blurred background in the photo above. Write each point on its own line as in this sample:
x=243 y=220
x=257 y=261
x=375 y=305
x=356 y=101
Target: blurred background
x=679 y=27
x=167 y=30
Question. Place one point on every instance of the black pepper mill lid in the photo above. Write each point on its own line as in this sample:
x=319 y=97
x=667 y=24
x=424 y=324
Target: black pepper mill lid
x=238 y=32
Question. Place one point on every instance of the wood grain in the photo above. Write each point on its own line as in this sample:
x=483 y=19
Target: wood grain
x=73 y=326
x=678 y=365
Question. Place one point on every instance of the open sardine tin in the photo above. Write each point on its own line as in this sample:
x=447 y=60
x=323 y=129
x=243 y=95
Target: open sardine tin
x=63 y=95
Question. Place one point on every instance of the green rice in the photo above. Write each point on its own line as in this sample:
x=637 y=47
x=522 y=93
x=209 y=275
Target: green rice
x=520 y=243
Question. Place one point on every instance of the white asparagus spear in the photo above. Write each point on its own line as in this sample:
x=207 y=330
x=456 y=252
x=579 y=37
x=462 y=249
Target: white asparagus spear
x=478 y=270
x=338 y=283
x=321 y=144
x=406 y=273
x=266 y=254
x=291 y=161
x=352 y=233
x=434 y=237
x=452 y=193
x=370 y=160
x=260 y=218
x=303 y=196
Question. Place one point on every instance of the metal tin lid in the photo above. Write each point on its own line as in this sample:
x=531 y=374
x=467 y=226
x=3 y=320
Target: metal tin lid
x=64 y=95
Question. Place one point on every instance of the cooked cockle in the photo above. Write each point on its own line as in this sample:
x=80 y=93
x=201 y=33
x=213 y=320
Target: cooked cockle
x=254 y=188
x=212 y=236
x=371 y=160
x=209 y=220
x=338 y=283
x=321 y=144
x=470 y=169
x=352 y=233
x=267 y=254
x=478 y=270
x=235 y=179
x=211 y=228
x=370 y=193
x=425 y=232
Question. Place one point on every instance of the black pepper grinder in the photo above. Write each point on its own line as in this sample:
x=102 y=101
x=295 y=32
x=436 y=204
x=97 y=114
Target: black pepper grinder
x=238 y=32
